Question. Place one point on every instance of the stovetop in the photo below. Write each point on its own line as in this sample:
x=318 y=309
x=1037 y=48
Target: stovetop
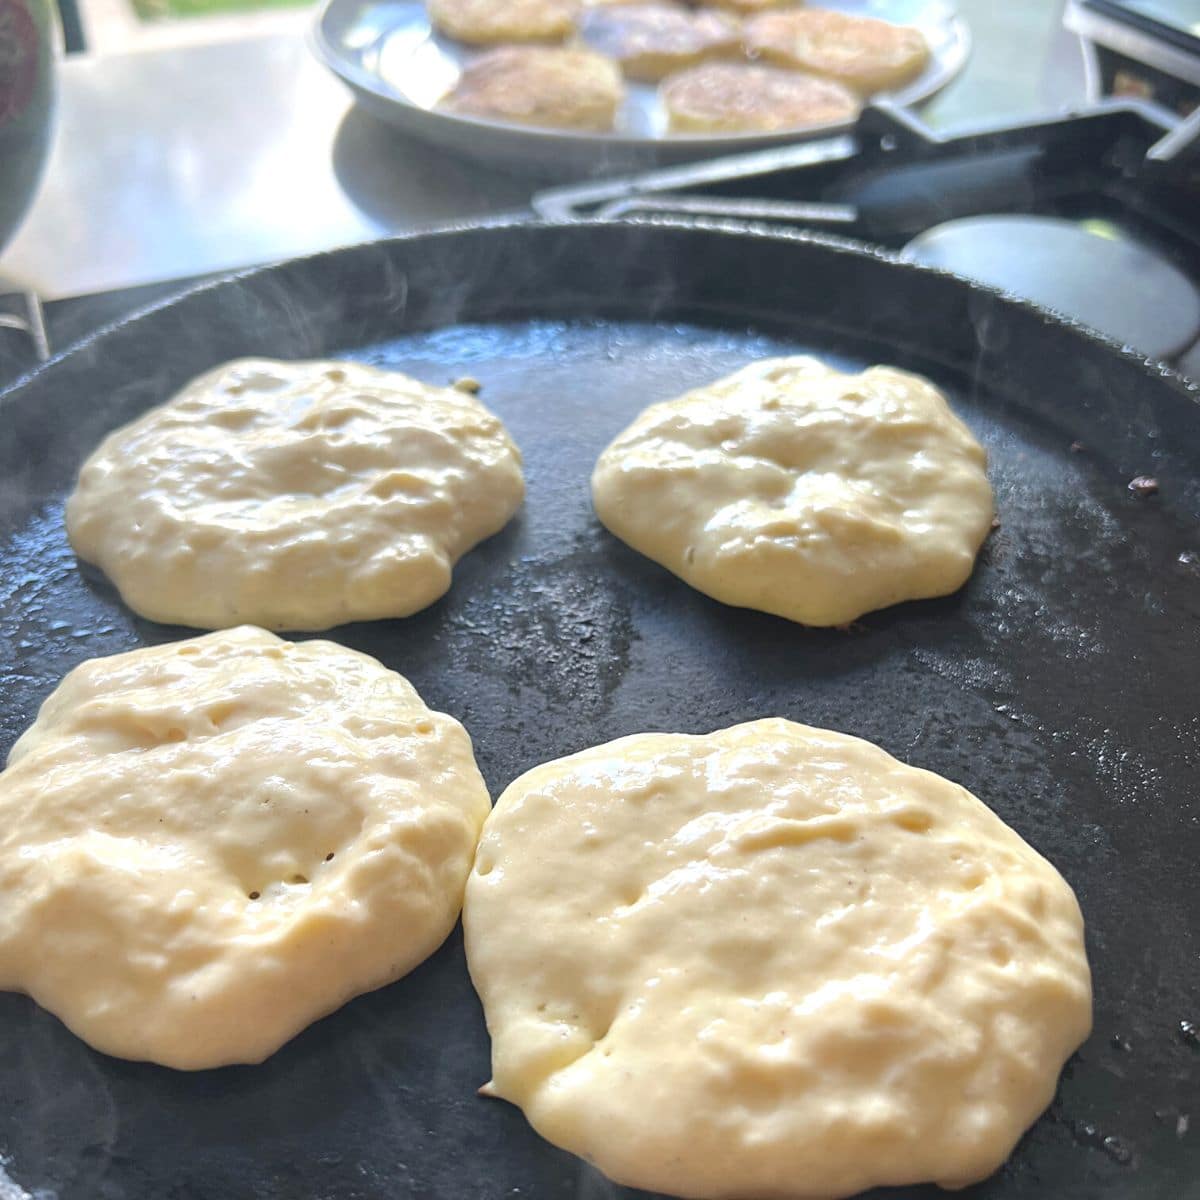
x=1095 y=214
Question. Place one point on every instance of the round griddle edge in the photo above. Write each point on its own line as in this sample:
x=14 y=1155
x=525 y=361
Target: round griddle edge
x=1059 y=685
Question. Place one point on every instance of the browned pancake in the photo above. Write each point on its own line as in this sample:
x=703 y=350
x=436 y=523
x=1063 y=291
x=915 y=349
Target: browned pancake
x=861 y=52
x=486 y=22
x=746 y=97
x=541 y=85
x=650 y=41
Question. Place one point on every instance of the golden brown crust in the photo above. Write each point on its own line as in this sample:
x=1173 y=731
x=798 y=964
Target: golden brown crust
x=750 y=98
x=748 y=7
x=540 y=85
x=649 y=41
x=863 y=53
x=488 y=22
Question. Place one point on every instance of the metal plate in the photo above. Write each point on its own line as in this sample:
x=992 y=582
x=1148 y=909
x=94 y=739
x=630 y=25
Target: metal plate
x=1092 y=269
x=1059 y=685
x=400 y=69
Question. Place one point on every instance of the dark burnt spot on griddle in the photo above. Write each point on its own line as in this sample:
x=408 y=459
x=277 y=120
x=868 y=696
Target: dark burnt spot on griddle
x=1143 y=485
x=1118 y=1042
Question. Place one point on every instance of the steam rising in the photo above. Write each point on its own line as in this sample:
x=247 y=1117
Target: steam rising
x=11 y=1190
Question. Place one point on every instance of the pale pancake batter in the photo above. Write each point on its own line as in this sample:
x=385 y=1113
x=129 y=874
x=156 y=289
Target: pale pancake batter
x=294 y=495
x=793 y=488
x=207 y=845
x=770 y=962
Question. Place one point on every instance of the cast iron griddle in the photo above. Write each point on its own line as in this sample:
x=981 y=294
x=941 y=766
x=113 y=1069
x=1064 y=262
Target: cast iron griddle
x=1060 y=685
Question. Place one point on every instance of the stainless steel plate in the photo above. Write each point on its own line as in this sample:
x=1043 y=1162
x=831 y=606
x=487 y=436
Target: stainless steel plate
x=400 y=69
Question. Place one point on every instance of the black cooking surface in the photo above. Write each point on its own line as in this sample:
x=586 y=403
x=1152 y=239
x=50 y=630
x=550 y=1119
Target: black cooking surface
x=1060 y=686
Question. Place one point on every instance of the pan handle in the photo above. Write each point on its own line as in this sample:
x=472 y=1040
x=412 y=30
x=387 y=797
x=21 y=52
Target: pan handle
x=731 y=207
x=1181 y=146
x=886 y=137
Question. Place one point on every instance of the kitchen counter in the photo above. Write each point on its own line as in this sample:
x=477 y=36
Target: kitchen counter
x=180 y=162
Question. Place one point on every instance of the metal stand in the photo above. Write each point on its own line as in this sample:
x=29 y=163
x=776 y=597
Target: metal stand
x=23 y=311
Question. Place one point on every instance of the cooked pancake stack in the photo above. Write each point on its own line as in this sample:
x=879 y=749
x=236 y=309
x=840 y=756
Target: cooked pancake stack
x=728 y=66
